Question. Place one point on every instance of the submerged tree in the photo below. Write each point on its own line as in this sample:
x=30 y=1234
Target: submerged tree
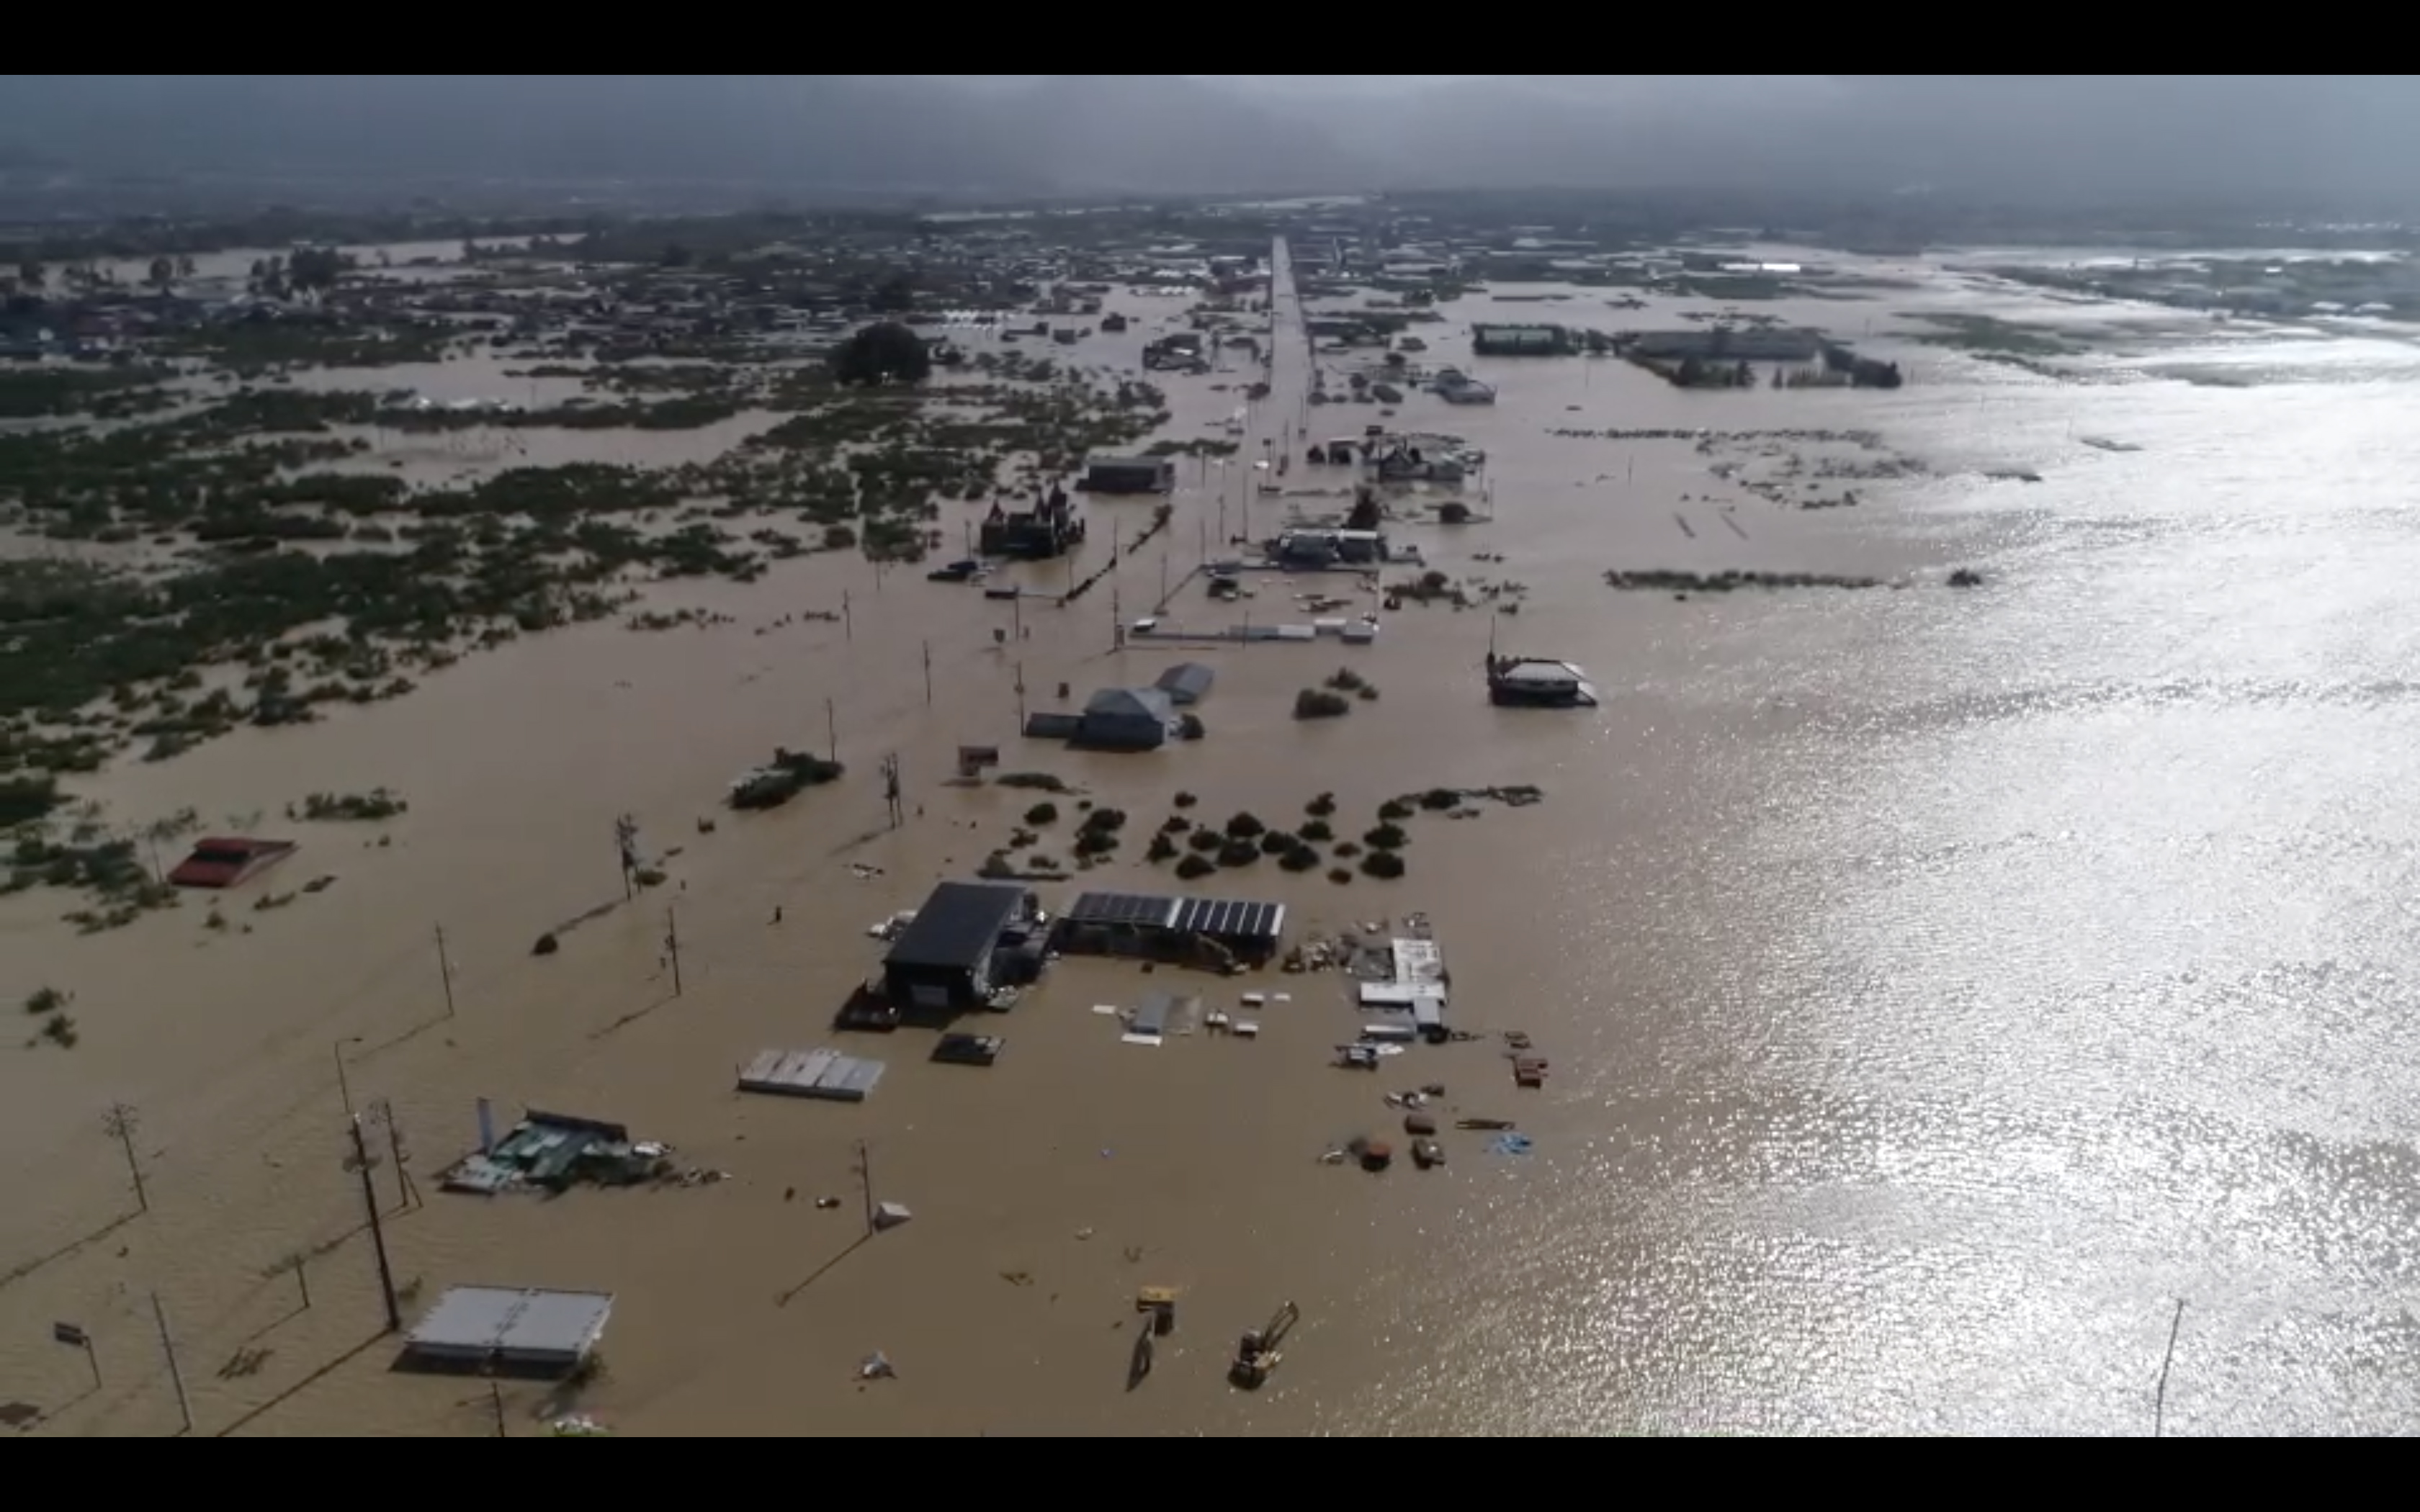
x=884 y=354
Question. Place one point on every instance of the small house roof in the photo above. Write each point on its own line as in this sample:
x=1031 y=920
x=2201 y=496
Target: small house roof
x=1185 y=682
x=1130 y=703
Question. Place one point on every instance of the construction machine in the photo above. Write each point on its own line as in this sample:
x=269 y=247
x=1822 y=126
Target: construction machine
x=1257 y=1353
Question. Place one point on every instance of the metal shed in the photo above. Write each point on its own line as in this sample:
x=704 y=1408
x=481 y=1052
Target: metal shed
x=826 y=1076
x=533 y=1329
x=1127 y=718
x=1130 y=475
x=1187 y=683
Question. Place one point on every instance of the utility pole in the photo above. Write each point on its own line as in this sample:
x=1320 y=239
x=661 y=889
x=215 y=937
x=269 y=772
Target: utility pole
x=446 y=971
x=175 y=1375
x=626 y=845
x=832 y=733
x=361 y=1164
x=384 y=1111
x=120 y=1125
x=847 y=620
x=1020 y=696
x=865 y=1182
x=344 y=1086
x=671 y=943
x=929 y=675
x=2160 y=1401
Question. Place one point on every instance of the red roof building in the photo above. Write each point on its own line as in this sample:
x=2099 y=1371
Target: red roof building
x=221 y=863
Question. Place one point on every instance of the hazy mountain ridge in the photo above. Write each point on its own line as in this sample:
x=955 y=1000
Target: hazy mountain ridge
x=2038 y=136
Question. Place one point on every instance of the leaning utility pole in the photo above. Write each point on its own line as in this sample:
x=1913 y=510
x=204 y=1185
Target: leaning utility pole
x=175 y=1375
x=120 y=1125
x=446 y=971
x=672 y=944
x=865 y=1182
x=361 y=1163
x=2159 y=1398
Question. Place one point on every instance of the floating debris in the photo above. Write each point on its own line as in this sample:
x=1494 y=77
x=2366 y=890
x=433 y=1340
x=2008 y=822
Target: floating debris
x=1660 y=579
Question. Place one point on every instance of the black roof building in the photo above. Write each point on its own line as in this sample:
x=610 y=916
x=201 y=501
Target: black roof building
x=950 y=955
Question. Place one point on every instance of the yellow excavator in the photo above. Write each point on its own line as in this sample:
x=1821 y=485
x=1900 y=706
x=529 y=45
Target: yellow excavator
x=1257 y=1353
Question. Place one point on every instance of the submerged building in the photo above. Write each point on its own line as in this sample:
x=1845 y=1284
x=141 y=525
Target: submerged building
x=961 y=946
x=1522 y=341
x=1158 y=927
x=1129 y=474
x=1048 y=529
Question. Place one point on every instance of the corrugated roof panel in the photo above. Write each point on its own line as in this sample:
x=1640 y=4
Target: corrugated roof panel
x=536 y=1326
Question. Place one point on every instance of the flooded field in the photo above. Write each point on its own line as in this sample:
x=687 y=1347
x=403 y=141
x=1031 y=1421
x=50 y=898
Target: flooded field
x=1940 y=985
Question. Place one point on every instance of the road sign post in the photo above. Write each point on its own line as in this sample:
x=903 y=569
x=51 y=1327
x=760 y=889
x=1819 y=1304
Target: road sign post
x=75 y=1337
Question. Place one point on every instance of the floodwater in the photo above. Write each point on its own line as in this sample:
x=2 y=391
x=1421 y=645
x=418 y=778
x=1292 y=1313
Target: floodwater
x=1940 y=985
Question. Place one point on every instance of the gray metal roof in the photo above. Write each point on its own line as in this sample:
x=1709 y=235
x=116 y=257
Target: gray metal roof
x=1185 y=682
x=1130 y=703
x=958 y=924
x=536 y=1326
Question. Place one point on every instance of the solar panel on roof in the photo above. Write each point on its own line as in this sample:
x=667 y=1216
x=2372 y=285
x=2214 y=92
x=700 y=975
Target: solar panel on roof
x=1227 y=917
x=1122 y=908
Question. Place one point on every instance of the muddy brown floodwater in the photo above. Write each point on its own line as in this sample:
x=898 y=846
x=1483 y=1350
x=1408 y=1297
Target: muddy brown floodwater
x=1939 y=986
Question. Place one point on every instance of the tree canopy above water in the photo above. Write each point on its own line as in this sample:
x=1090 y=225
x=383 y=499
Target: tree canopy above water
x=888 y=352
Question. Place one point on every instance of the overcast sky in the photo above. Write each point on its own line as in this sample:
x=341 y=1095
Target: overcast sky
x=2125 y=137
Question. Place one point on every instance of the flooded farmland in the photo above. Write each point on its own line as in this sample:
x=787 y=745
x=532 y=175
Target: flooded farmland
x=1939 y=983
